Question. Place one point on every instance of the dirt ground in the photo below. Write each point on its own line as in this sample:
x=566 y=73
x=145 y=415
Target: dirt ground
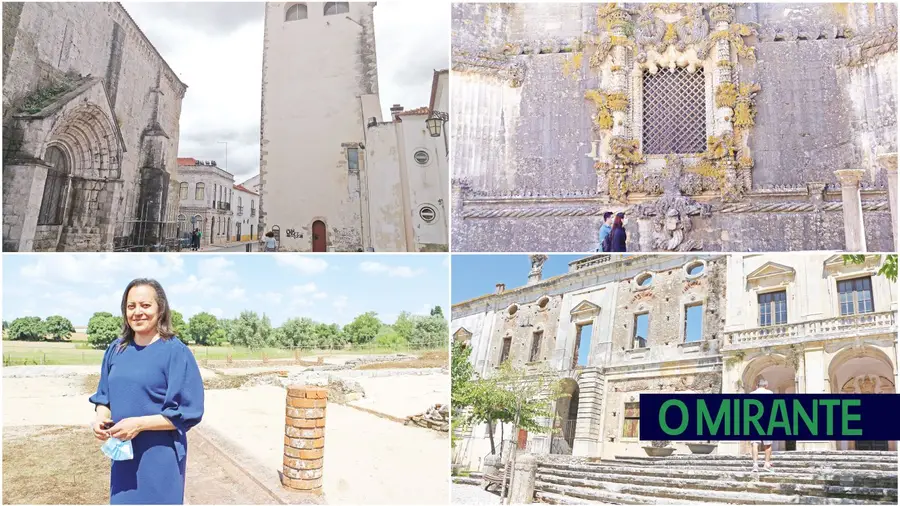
x=368 y=460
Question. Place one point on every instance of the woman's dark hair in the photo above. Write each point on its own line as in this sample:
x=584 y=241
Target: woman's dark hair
x=270 y=234
x=163 y=325
x=617 y=223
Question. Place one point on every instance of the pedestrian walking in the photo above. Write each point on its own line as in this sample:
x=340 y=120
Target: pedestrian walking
x=762 y=388
x=271 y=242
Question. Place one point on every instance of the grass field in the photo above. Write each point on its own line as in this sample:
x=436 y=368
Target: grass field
x=71 y=353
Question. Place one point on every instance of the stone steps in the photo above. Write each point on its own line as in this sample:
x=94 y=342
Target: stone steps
x=860 y=478
x=799 y=478
x=779 y=461
x=617 y=493
x=879 y=494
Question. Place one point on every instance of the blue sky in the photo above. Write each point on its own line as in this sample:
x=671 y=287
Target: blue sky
x=327 y=288
x=477 y=275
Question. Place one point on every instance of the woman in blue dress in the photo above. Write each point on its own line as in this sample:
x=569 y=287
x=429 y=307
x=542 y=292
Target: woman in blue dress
x=151 y=394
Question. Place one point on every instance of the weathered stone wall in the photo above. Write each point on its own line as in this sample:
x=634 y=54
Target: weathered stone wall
x=44 y=41
x=522 y=129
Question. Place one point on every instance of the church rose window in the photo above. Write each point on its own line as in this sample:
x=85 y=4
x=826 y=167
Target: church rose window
x=674 y=112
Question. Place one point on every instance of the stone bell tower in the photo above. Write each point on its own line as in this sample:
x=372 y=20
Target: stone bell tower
x=319 y=91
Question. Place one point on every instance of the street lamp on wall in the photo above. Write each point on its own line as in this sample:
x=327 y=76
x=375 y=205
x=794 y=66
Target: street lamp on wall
x=435 y=124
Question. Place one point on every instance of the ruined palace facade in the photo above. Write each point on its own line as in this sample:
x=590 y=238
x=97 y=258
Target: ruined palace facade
x=613 y=328
x=90 y=131
x=715 y=127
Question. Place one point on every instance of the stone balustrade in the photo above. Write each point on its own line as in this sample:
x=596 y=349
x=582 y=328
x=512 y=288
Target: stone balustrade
x=861 y=325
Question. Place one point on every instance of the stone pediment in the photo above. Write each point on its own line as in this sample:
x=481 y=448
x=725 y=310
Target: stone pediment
x=585 y=307
x=835 y=265
x=462 y=335
x=772 y=271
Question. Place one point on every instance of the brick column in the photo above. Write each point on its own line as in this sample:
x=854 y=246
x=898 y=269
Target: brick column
x=854 y=232
x=304 y=438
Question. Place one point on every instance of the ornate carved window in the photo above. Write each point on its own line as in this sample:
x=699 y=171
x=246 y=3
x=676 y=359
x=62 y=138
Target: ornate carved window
x=674 y=112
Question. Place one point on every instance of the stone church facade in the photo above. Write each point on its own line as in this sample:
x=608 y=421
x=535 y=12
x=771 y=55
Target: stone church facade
x=752 y=127
x=90 y=131
x=333 y=175
x=613 y=328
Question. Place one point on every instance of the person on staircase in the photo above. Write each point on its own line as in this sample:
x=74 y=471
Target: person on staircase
x=762 y=385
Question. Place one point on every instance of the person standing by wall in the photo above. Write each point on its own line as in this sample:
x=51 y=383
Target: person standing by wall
x=767 y=445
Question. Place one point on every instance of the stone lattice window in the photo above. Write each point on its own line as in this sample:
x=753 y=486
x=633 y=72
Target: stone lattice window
x=674 y=112
x=856 y=296
x=632 y=420
x=51 y=212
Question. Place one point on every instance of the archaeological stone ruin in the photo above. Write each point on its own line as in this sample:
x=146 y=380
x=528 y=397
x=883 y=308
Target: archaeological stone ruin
x=714 y=127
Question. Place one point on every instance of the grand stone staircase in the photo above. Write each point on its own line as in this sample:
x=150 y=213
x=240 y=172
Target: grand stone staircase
x=800 y=477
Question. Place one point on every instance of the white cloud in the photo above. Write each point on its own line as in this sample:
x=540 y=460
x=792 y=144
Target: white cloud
x=340 y=302
x=400 y=271
x=217 y=312
x=303 y=264
x=100 y=268
x=305 y=289
x=237 y=293
x=320 y=295
x=273 y=297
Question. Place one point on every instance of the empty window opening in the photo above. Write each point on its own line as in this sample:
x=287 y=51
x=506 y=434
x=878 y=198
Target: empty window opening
x=504 y=353
x=583 y=334
x=693 y=323
x=641 y=330
x=536 y=346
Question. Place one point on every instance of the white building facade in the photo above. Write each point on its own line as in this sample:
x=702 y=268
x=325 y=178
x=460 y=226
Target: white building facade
x=614 y=328
x=333 y=175
x=205 y=196
x=245 y=207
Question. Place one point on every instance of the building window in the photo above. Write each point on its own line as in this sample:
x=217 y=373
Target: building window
x=632 y=420
x=427 y=213
x=421 y=157
x=856 y=296
x=536 y=339
x=772 y=308
x=645 y=280
x=641 y=330
x=53 y=200
x=353 y=159
x=583 y=334
x=695 y=269
x=295 y=12
x=332 y=8
x=198 y=192
x=183 y=189
x=693 y=323
x=674 y=119
x=504 y=353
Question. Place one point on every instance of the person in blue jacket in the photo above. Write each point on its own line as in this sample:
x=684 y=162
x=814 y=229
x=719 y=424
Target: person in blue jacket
x=150 y=393
x=605 y=229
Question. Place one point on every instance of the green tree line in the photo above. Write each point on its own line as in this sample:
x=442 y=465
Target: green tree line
x=255 y=331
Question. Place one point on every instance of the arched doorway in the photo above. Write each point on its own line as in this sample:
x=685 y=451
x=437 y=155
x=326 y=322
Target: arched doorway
x=53 y=200
x=318 y=236
x=562 y=439
x=782 y=378
x=862 y=370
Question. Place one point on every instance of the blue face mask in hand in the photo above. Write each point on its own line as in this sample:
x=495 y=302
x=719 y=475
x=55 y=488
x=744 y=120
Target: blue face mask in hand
x=117 y=450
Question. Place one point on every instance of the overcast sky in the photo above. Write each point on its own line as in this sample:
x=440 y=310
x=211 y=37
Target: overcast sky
x=216 y=49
